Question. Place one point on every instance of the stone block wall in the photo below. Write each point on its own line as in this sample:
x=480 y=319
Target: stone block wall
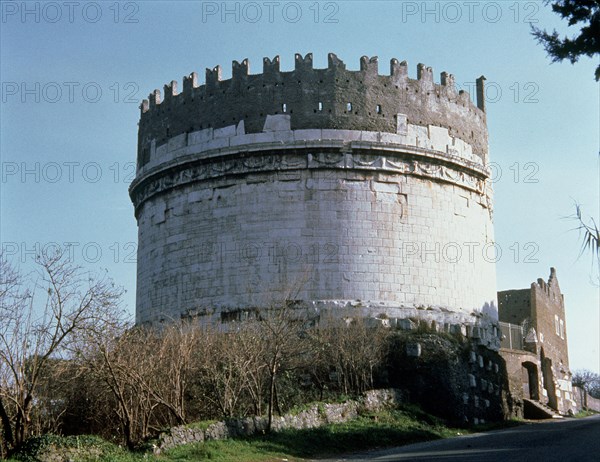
x=384 y=208
x=346 y=239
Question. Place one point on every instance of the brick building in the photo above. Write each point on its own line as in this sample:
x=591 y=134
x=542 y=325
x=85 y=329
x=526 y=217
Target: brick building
x=535 y=345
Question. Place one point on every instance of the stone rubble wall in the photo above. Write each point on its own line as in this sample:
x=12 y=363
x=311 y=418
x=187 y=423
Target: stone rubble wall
x=585 y=401
x=315 y=416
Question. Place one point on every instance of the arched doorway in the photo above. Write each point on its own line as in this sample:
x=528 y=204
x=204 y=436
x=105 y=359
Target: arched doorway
x=531 y=381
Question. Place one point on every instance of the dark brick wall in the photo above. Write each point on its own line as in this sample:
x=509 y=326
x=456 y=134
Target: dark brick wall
x=220 y=103
x=514 y=306
x=548 y=307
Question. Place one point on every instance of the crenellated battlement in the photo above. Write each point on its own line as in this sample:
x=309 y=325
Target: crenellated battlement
x=331 y=98
x=550 y=289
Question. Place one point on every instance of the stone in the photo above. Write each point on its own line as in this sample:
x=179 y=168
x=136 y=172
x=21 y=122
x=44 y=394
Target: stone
x=413 y=349
x=217 y=431
x=277 y=123
x=406 y=324
x=215 y=159
x=472 y=380
x=315 y=416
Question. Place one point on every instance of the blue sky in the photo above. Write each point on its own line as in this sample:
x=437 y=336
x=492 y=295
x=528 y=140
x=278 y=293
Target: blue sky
x=73 y=76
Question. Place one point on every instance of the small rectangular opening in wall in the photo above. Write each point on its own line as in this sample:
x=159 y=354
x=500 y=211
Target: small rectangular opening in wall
x=378 y=109
x=229 y=316
x=320 y=106
x=349 y=107
x=284 y=107
x=562 y=329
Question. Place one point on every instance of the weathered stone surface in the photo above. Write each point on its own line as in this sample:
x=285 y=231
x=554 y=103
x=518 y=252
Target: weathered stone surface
x=316 y=98
x=413 y=349
x=316 y=416
x=359 y=188
x=227 y=236
x=217 y=431
x=443 y=379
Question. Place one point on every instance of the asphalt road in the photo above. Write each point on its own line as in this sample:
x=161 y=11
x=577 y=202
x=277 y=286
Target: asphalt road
x=568 y=440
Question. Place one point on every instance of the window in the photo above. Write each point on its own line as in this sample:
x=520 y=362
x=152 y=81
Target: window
x=562 y=329
x=284 y=107
x=378 y=109
x=556 y=325
x=349 y=107
x=320 y=106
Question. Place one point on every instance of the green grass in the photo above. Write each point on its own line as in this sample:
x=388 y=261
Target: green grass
x=377 y=430
x=202 y=425
x=224 y=451
x=406 y=425
x=584 y=413
x=84 y=448
x=382 y=429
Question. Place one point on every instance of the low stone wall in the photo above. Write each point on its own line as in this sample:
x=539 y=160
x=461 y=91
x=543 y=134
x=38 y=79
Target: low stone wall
x=585 y=401
x=316 y=415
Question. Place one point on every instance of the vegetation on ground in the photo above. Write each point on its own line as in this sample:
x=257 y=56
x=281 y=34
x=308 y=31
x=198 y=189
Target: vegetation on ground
x=406 y=425
x=71 y=361
x=585 y=413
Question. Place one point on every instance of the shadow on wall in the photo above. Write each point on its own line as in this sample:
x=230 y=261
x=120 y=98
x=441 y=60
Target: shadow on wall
x=450 y=376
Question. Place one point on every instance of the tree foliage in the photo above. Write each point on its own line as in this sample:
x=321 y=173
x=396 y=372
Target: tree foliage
x=589 y=381
x=587 y=43
x=590 y=240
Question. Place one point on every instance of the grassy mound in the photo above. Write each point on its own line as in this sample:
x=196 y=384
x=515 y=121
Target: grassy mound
x=85 y=448
x=369 y=431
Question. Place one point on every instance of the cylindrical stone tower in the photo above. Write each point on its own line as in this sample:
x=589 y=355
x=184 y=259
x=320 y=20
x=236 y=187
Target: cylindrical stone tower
x=339 y=189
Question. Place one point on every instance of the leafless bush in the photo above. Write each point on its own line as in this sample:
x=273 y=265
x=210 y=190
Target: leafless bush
x=39 y=317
